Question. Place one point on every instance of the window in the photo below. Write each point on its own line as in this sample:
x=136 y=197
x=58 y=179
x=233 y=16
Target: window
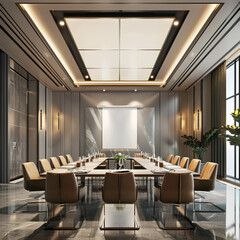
x=232 y=103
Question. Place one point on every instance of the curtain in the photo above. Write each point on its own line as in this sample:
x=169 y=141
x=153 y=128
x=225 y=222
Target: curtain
x=218 y=87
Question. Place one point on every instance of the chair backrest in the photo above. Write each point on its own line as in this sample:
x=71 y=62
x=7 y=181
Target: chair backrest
x=209 y=171
x=55 y=163
x=184 y=162
x=63 y=160
x=32 y=179
x=119 y=188
x=137 y=155
x=61 y=188
x=69 y=158
x=169 y=158
x=177 y=188
x=30 y=171
x=45 y=165
x=195 y=165
x=176 y=160
x=103 y=155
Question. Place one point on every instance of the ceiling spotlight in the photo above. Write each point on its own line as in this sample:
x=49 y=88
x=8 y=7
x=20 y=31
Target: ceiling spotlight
x=135 y=90
x=176 y=23
x=61 y=23
x=86 y=76
x=104 y=90
x=151 y=76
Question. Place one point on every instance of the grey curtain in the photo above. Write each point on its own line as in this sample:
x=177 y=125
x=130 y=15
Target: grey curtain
x=218 y=81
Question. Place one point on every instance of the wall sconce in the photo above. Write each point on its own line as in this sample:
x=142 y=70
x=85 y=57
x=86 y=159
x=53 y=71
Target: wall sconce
x=197 y=120
x=180 y=118
x=41 y=120
x=58 y=121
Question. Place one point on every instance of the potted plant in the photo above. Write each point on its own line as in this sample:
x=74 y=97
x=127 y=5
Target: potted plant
x=120 y=159
x=200 y=147
x=234 y=138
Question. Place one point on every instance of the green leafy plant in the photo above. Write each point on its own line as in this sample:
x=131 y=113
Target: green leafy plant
x=120 y=159
x=234 y=139
x=200 y=147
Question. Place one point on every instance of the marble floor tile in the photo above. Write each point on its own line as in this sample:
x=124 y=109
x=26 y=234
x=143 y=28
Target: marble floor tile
x=28 y=223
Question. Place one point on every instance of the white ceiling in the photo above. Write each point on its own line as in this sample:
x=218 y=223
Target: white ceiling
x=37 y=44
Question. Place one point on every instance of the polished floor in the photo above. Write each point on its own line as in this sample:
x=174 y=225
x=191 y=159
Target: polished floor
x=30 y=225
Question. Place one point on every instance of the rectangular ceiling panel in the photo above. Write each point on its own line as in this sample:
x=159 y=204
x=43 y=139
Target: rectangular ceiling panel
x=100 y=59
x=91 y=33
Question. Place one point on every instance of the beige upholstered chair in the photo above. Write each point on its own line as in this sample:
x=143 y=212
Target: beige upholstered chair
x=63 y=160
x=62 y=188
x=45 y=165
x=176 y=160
x=69 y=158
x=55 y=163
x=169 y=158
x=184 y=162
x=176 y=188
x=206 y=182
x=32 y=180
x=195 y=165
x=207 y=179
x=119 y=188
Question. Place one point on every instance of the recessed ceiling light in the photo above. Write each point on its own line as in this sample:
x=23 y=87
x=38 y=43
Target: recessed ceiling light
x=104 y=90
x=135 y=90
x=151 y=76
x=86 y=76
x=61 y=23
x=176 y=23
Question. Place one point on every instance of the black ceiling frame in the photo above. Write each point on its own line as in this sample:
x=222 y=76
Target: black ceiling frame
x=180 y=16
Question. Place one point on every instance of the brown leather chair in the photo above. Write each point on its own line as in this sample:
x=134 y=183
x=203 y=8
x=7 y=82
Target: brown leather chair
x=55 y=163
x=45 y=165
x=195 y=165
x=169 y=158
x=69 y=158
x=176 y=160
x=62 y=188
x=32 y=179
x=184 y=162
x=176 y=188
x=63 y=160
x=119 y=188
x=206 y=182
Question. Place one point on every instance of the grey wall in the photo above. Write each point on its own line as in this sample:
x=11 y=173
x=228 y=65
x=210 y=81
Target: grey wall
x=75 y=115
x=41 y=121
x=65 y=130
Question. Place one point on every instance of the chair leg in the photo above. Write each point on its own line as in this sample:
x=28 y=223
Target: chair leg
x=218 y=209
x=104 y=227
x=161 y=223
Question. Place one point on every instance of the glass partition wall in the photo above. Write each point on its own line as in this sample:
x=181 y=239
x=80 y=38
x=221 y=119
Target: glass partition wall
x=232 y=103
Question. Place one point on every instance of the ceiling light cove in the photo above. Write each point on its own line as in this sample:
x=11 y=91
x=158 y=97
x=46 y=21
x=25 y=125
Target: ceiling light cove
x=119 y=49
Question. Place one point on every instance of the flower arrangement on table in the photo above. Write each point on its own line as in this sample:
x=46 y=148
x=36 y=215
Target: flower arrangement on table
x=120 y=159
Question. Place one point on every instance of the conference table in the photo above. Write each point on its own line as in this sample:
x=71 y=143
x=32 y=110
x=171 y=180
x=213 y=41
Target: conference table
x=149 y=168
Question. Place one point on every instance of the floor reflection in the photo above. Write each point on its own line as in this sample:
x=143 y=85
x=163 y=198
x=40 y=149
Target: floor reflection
x=30 y=224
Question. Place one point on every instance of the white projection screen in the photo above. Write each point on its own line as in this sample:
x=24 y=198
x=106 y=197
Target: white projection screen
x=119 y=128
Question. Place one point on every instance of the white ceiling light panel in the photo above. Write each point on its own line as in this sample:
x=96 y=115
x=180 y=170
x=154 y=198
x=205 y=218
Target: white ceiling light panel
x=104 y=74
x=100 y=59
x=91 y=33
x=138 y=59
x=139 y=33
x=135 y=74
x=135 y=42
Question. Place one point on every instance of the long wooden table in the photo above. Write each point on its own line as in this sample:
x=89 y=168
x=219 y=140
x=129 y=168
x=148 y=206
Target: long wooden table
x=149 y=171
